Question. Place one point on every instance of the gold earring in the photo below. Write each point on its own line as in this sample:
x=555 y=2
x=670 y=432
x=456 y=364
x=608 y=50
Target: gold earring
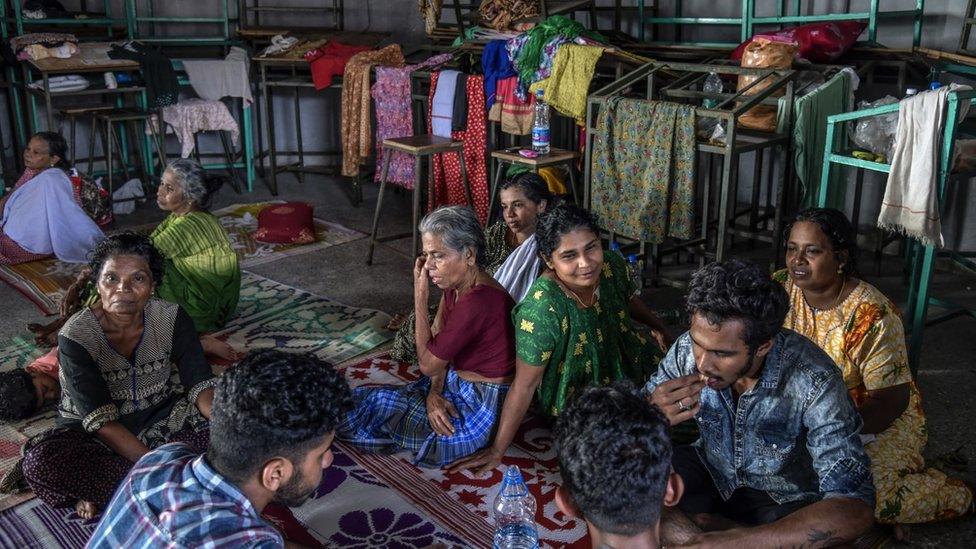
x=840 y=270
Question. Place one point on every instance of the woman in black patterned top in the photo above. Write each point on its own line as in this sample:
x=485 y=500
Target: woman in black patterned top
x=133 y=376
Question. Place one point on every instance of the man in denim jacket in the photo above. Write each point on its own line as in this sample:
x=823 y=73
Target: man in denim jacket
x=779 y=461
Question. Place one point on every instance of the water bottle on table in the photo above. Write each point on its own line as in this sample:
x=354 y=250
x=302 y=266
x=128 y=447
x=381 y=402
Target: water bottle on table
x=514 y=514
x=540 y=125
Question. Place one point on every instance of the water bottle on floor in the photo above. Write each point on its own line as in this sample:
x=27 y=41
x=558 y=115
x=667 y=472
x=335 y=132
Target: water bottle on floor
x=514 y=514
x=540 y=125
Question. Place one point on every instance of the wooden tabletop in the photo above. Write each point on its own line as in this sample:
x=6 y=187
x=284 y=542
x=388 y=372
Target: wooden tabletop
x=91 y=57
x=423 y=144
x=555 y=156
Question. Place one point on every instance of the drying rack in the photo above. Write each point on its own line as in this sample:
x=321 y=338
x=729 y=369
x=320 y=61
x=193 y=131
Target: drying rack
x=144 y=22
x=682 y=82
x=254 y=16
x=921 y=257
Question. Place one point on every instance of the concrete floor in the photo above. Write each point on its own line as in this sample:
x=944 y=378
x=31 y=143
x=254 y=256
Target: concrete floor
x=947 y=375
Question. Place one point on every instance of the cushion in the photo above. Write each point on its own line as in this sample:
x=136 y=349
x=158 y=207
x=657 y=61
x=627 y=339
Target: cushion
x=288 y=223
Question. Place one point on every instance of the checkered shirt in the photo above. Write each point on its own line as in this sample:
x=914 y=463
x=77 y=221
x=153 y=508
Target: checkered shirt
x=173 y=498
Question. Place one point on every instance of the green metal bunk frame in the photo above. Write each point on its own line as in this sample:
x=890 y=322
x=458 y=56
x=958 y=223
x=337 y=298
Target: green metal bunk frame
x=134 y=21
x=22 y=24
x=249 y=11
x=685 y=81
x=922 y=257
x=787 y=13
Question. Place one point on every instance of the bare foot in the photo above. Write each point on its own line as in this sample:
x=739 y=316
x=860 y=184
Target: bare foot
x=86 y=510
x=902 y=532
x=218 y=349
x=396 y=322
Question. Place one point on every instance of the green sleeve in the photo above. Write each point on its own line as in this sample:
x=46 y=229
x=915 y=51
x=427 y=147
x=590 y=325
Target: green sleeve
x=537 y=330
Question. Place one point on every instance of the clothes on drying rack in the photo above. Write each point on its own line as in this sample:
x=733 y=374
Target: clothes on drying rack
x=442 y=105
x=197 y=115
x=394 y=116
x=162 y=86
x=356 y=113
x=500 y=14
x=329 y=61
x=569 y=81
x=430 y=10
x=496 y=66
x=279 y=44
x=459 y=113
x=911 y=201
x=514 y=113
x=447 y=187
x=44 y=9
x=42 y=45
x=214 y=79
x=643 y=183
x=532 y=53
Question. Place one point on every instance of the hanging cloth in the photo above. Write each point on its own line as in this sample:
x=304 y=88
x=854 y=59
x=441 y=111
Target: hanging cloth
x=442 y=105
x=162 y=86
x=644 y=169
x=568 y=84
x=911 y=200
x=330 y=61
x=447 y=187
x=514 y=113
x=215 y=79
x=357 y=128
x=496 y=66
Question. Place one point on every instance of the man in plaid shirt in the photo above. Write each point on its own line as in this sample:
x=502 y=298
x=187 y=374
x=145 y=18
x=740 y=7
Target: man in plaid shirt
x=273 y=422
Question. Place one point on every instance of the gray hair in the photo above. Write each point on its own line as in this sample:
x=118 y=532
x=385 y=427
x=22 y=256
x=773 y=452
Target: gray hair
x=459 y=228
x=198 y=186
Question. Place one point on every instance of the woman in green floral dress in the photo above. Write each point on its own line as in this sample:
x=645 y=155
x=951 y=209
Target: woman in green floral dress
x=574 y=328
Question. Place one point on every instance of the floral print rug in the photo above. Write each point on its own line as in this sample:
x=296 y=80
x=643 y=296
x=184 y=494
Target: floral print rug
x=44 y=282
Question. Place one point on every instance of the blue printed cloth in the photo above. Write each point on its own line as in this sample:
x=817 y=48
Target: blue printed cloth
x=390 y=419
x=793 y=436
x=172 y=497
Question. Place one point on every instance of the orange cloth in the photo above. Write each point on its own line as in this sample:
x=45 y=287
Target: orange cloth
x=356 y=121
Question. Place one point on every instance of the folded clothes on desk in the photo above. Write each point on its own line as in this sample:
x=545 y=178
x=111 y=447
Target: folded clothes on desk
x=69 y=82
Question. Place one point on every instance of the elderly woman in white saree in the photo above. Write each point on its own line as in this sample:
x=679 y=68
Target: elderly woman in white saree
x=41 y=217
x=513 y=259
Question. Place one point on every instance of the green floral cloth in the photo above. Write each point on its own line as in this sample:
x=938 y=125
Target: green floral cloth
x=581 y=347
x=497 y=251
x=644 y=169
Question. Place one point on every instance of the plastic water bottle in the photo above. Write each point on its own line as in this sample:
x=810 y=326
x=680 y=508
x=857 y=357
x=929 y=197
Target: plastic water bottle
x=635 y=268
x=514 y=514
x=540 y=125
x=713 y=84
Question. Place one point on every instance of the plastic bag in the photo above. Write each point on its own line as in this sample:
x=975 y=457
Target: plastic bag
x=764 y=53
x=816 y=42
x=876 y=133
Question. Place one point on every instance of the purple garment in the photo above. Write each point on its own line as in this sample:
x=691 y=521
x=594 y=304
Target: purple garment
x=391 y=96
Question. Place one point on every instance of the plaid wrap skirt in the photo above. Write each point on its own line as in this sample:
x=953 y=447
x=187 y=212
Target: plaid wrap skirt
x=388 y=419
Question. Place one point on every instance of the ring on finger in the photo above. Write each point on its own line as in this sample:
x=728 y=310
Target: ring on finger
x=682 y=406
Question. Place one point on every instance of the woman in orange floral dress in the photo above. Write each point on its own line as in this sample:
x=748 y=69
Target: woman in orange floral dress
x=862 y=332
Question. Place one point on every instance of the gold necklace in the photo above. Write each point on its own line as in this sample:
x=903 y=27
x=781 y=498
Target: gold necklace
x=577 y=297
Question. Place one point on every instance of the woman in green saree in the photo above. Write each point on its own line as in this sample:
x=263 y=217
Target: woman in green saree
x=202 y=273
x=574 y=328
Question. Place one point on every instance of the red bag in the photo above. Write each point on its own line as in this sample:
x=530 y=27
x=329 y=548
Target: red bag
x=288 y=223
x=818 y=42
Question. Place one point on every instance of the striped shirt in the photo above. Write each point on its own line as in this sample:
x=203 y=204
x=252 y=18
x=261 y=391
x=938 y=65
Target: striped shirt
x=173 y=498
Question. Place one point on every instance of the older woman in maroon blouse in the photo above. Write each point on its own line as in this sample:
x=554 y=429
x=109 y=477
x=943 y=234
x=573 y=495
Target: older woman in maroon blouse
x=467 y=355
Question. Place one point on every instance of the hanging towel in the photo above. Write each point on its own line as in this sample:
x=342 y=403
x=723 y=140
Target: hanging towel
x=214 y=79
x=357 y=130
x=569 y=81
x=644 y=169
x=911 y=200
x=197 y=115
x=394 y=116
x=810 y=114
x=443 y=103
x=496 y=66
x=514 y=113
x=330 y=61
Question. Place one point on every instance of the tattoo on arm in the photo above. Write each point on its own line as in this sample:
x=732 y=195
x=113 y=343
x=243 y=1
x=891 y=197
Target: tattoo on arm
x=823 y=538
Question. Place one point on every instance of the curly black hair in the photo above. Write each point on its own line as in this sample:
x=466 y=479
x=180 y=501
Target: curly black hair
x=56 y=146
x=17 y=397
x=739 y=290
x=559 y=221
x=127 y=243
x=273 y=404
x=534 y=187
x=614 y=450
x=840 y=231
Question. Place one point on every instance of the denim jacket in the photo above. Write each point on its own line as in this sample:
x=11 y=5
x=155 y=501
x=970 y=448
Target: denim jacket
x=794 y=435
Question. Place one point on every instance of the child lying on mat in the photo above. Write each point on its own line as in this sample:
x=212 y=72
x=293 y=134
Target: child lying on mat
x=24 y=392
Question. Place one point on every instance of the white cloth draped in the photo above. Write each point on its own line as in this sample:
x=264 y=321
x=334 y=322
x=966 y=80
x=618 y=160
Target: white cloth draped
x=43 y=218
x=520 y=269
